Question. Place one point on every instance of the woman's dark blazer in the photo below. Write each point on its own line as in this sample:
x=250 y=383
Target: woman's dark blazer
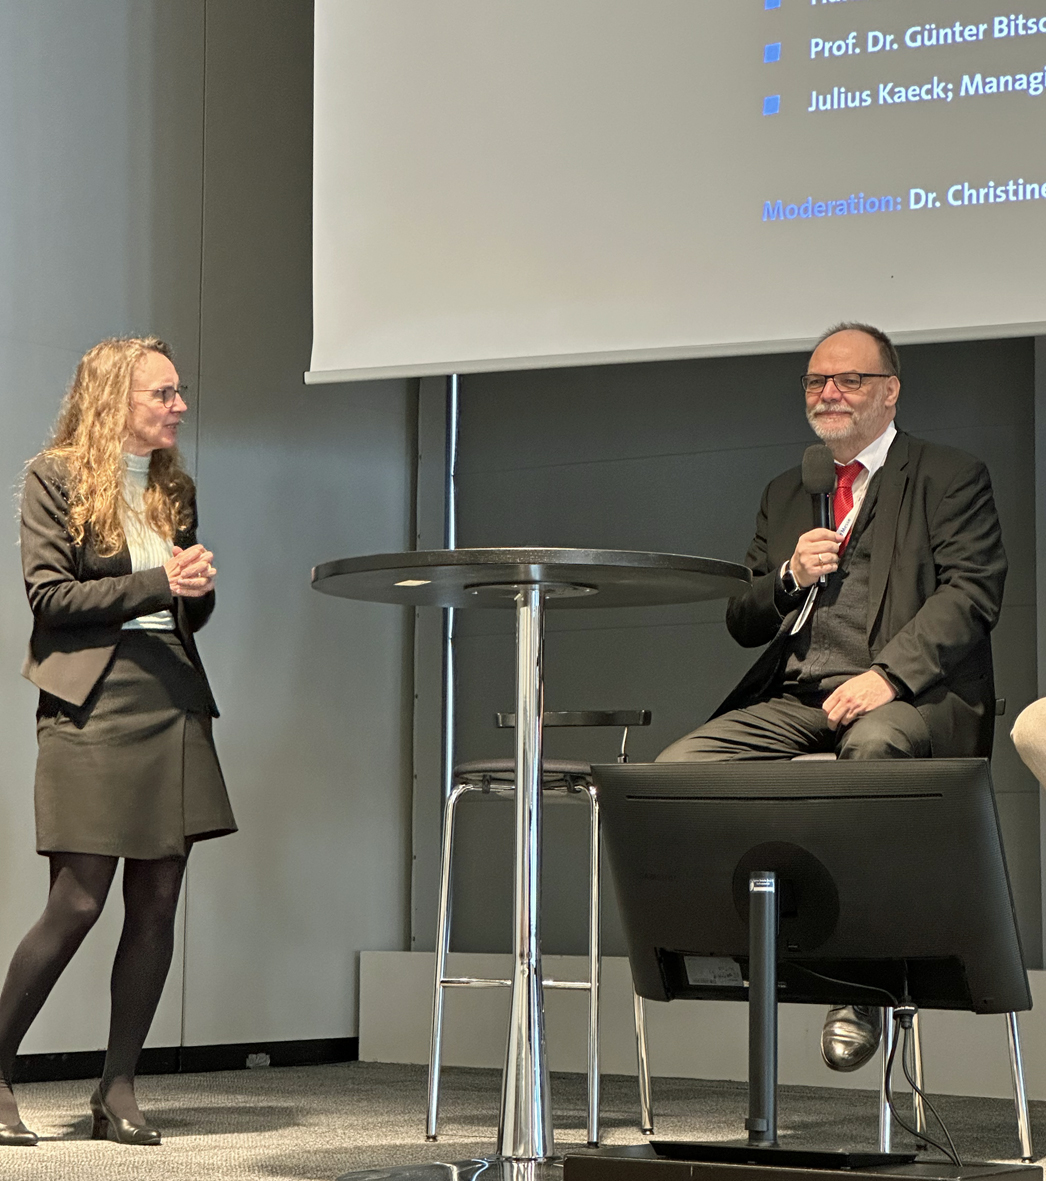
x=80 y=600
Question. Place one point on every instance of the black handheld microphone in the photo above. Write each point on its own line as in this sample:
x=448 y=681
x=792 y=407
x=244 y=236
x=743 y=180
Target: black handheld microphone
x=819 y=481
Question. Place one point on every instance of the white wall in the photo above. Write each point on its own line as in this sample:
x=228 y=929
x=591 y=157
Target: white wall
x=128 y=203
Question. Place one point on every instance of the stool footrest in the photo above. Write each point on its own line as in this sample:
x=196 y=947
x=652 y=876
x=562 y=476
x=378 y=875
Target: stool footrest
x=483 y=982
x=582 y=717
x=472 y=982
x=507 y=768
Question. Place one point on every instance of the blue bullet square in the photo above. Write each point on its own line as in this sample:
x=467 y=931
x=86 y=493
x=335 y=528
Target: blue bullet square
x=772 y=4
x=772 y=104
x=772 y=53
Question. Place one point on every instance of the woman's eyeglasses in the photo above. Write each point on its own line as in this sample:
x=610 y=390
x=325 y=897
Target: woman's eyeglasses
x=167 y=394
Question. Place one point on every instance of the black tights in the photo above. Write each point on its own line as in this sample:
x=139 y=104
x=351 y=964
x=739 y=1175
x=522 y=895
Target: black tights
x=79 y=886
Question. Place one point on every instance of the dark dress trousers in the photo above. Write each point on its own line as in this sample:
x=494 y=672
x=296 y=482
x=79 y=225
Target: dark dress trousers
x=936 y=580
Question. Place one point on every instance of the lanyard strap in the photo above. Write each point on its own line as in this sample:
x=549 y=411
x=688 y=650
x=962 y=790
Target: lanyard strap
x=843 y=530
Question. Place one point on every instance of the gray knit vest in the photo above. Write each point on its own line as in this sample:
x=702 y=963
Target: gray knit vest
x=833 y=645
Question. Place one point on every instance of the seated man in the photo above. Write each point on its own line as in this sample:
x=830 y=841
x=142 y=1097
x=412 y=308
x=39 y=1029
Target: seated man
x=891 y=657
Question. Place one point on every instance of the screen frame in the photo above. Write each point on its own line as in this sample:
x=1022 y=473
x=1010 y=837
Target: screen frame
x=679 y=831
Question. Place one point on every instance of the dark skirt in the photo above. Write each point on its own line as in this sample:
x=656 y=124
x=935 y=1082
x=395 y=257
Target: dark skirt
x=133 y=772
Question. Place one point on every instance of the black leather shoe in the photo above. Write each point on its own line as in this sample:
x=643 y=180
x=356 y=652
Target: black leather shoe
x=17 y=1134
x=107 y=1126
x=851 y=1035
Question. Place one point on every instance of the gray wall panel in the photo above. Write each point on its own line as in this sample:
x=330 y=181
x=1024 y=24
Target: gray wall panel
x=315 y=691
x=1013 y=647
x=691 y=503
x=1019 y=818
x=564 y=416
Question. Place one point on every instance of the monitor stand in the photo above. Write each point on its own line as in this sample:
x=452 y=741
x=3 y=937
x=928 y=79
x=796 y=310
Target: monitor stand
x=762 y=1147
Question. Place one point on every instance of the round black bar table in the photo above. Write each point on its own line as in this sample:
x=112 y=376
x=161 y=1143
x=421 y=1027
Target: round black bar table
x=528 y=580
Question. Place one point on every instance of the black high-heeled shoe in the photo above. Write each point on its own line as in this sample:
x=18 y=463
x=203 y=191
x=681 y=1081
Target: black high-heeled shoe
x=17 y=1134
x=123 y=1130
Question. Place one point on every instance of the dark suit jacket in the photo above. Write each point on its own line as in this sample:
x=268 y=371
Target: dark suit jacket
x=80 y=600
x=936 y=581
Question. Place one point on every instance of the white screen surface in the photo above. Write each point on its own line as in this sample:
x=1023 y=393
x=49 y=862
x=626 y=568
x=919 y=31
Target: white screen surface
x=502 y=184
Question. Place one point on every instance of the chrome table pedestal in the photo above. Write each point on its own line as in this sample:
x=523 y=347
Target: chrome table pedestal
x=528 y=580
x=481 y=1169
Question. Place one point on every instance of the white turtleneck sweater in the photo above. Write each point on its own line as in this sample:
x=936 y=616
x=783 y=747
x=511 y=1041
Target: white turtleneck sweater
x=148 y=548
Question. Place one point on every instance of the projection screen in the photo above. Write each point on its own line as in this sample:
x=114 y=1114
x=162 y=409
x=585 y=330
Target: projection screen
x=504 y=184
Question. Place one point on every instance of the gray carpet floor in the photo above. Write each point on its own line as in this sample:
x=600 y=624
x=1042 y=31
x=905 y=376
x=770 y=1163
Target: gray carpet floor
x=319 y=1122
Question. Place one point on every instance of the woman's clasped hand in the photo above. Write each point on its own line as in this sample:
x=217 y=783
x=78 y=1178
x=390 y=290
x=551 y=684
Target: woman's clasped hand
x=191 y=572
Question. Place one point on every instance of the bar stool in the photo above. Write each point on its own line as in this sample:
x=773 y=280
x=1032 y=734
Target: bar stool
x=1013 y=1039
x=571 y=778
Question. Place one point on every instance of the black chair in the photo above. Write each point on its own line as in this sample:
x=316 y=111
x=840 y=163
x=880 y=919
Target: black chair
x=1013 y=1045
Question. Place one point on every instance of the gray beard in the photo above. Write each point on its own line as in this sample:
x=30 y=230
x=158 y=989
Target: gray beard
x=857 y=420
x=816 y=421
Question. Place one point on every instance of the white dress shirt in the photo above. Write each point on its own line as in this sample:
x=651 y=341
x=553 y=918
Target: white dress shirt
x=873 y=457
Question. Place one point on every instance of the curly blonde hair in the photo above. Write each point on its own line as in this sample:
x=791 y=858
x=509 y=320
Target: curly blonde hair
x=88 y=441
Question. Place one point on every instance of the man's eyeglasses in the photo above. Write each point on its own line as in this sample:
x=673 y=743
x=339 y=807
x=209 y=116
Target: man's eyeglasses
x=846 y=383
x=167 y=394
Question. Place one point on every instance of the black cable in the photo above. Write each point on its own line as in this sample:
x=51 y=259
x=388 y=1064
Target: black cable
x=908 y=1063
x=925 y=1098
x=950 y=1153
x=846 y=983
x=897 y=1116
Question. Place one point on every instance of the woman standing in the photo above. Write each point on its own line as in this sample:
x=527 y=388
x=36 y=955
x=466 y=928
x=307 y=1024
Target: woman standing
x=126 y=766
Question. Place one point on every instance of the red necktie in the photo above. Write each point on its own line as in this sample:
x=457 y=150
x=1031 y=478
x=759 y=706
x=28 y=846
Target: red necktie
x=844 y=494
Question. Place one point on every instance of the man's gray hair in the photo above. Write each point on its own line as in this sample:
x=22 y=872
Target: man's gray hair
x=888 y=357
